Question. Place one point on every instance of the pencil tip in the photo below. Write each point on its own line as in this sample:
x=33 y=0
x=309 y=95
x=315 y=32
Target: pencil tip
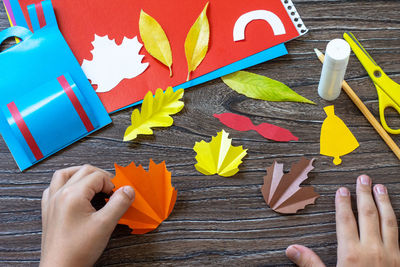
x=317 y=52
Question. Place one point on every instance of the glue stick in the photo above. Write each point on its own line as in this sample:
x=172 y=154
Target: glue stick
x=334 y=68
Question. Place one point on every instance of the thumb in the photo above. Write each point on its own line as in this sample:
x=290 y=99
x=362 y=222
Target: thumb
x=303 y=256
x=118 y=204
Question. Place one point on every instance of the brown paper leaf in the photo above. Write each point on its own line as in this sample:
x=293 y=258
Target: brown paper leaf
x=282 y=192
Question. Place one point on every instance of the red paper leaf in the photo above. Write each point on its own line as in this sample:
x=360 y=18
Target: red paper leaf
x=269 y=131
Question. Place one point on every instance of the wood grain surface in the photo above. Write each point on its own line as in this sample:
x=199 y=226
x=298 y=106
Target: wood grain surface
x=225 y=221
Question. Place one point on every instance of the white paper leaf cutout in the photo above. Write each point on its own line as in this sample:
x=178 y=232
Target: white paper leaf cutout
x=112 y=63
x=274 y=21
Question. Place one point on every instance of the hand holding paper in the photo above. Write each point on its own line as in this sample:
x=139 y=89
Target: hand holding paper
x=74 y=232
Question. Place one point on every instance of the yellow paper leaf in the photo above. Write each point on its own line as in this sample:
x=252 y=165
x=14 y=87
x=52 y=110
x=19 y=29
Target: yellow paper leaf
x=196 y=44
x=155 y=40
x=336 y=139
x=218 y=156
x=155 y=112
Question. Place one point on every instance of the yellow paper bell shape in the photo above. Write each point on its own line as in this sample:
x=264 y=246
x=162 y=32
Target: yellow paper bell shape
x=336 y=139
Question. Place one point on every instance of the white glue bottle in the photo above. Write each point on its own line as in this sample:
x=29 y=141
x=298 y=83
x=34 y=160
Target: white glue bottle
x=334 y=68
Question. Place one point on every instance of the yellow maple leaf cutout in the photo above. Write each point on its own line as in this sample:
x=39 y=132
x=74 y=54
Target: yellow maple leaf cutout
x=218 y=156
x=336 y=139
x=155 y=40
x=155 y=112
x=196 y=43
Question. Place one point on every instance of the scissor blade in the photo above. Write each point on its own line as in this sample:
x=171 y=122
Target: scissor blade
x=390 y=88
x=365 y=58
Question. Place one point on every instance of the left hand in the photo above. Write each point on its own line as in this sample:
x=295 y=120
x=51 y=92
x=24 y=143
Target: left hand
x=74 y=233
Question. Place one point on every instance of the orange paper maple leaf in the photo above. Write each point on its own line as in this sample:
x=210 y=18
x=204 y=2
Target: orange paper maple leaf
x=154 y=195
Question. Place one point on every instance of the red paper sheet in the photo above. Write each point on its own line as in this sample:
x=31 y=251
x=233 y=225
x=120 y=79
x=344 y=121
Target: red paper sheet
x=80 y=20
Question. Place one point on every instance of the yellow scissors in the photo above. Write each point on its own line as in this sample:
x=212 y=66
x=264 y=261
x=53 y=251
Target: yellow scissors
x=388 y=90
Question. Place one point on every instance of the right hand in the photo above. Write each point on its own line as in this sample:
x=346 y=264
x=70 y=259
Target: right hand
x=378 y=242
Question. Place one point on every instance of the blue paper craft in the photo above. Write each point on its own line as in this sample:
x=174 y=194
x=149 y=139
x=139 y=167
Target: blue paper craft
x=46 y=101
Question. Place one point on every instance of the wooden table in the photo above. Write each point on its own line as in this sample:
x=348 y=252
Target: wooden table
x=225 y=220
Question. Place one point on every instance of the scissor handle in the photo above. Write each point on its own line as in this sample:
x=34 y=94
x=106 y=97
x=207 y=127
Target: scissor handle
x=386 y=102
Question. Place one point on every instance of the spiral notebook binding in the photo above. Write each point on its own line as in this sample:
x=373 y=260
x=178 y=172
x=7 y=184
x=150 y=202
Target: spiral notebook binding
x=295 y=17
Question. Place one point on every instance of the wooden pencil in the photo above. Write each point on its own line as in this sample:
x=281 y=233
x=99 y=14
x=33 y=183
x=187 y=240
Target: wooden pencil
x=367 y=114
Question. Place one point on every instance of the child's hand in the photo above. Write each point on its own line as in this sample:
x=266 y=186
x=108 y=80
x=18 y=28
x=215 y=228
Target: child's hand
x=74 y=233
x=378 y=242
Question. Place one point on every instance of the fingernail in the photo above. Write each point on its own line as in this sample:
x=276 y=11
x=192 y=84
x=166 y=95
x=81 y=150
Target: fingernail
x=364 y=179
x=293 y=253
x=344 y=192
x=381 y=189
x=129 y=191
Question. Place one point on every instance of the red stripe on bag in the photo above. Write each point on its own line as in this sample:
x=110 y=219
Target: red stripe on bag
x=75 y=102
x=25 y=130
x=40 y=14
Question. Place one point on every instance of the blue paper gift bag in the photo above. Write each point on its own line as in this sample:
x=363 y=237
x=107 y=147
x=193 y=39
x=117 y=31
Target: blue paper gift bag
x=46 y=101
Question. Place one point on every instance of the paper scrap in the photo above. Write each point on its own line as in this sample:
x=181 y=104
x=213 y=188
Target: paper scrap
x=196 y=43
x=112 y=63
x=271 y=18
x=282 y=192
x=154 y=195
x=261 y=87
x=218 y=156
x=155 y=40
x=269 y=131
x=155 y=112
x=336 y=139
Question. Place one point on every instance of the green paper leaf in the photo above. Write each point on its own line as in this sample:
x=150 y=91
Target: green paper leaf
x=261 y=87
